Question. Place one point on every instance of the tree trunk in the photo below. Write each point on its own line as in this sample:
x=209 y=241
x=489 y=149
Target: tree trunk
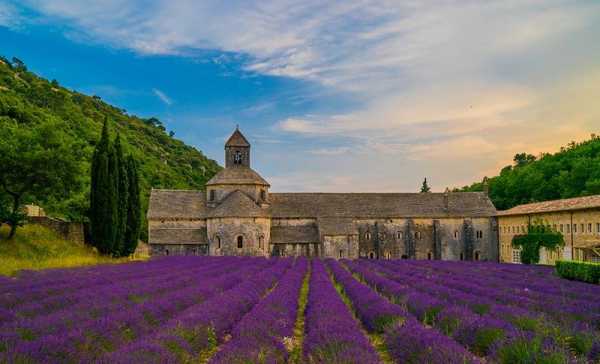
x=13 y=230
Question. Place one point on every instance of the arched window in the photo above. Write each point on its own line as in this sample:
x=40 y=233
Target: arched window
x=218 y=241
x=455 y=234
x=462 y=256
x=341 y=254
x=399 y=234
x=371 y=255
x=418 y=235
x=367 y=236
x=477 y=255
x=263 y=195
x=428 y=255
x=388 y=255
x=166 y=251
x=237 y=157
x=261 y=242
x=212 y=195
x=240 y=242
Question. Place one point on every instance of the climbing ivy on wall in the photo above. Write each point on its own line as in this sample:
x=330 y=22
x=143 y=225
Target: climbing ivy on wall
x=539 y=235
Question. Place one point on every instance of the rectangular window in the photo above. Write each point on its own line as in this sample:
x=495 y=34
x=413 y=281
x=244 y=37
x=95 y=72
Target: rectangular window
x=589 y=228
x=574 y=228
x=598 y=227
x=516 y=256
x=568 y=228
x=561 y=228
x=582 y=228
x=554 y=227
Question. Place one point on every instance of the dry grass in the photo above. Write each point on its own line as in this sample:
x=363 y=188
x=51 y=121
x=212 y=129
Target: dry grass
x=35 y=247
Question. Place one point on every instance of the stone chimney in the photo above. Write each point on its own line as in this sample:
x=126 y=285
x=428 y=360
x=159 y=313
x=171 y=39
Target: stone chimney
x=486 y=186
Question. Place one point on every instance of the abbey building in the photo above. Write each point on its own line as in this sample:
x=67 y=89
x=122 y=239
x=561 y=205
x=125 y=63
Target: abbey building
x=237 y=215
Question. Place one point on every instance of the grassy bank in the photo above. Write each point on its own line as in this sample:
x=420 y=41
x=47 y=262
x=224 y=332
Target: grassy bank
x=36 y=247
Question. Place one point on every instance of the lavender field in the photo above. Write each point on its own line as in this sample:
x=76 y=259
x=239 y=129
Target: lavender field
x=256 y=310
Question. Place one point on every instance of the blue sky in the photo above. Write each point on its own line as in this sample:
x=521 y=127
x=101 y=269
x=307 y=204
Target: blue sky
x=355 y=95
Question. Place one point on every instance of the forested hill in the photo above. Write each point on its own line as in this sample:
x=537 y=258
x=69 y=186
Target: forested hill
x=572 y=172
x=164 y=161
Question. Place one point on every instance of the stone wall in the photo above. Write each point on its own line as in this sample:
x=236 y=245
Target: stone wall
x=340 y=246
x=71 y=231
x=223 y=235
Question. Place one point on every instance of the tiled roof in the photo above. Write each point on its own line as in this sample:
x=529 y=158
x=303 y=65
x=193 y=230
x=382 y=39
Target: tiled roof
x=567 y=204
x=377 y=205
x=178 y=236
x=336 y=226
x=173 y=204
x=238 y=175
x=294 y=234
x=237 y=139
x=238 y=204
x=191 y=204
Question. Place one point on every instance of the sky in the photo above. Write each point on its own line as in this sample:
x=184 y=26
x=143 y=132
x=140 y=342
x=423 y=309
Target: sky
x=334 y=96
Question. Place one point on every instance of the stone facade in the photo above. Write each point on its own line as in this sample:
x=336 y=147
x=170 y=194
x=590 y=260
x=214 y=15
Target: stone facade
x=578 y=219
x=237 y=215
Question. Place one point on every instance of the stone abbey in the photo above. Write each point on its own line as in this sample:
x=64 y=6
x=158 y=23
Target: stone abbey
x=237 y=215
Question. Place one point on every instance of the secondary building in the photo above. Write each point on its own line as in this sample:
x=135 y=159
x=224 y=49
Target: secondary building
x=237 y=215
x=578 y=219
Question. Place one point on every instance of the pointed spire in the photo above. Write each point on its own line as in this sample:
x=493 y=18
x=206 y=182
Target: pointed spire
x=237 y=139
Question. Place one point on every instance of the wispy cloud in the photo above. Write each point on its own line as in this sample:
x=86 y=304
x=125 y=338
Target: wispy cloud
x=162 y=96
x=447 y=88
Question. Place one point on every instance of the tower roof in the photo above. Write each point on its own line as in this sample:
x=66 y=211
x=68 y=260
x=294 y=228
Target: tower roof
x=237 y=176
x=237 y=139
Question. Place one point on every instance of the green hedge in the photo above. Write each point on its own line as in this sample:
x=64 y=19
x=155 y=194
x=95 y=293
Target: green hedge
x=579 y=271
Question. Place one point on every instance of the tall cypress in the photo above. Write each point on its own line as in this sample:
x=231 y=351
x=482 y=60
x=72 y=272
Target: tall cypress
x=112 y=199
x=122 y=197
x=102 y=195
x=134 y=218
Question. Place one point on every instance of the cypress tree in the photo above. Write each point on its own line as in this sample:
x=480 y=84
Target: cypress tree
x=120 y=172
x=112 y=200
x=102 y=195
x=134 y=219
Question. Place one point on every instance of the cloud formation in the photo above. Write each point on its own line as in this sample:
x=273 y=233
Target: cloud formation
x=162 y=96
x=448 y=89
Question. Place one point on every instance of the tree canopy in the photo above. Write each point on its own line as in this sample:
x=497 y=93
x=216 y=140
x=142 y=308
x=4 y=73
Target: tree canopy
x=572 y=172
x=27 y=100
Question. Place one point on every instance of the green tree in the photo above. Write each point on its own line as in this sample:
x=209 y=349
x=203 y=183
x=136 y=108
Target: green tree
x=121 y=175
x=39 y=163
x=134 y=218
x=538 y=236
x=425 y=187
x=522 y=159
x=103 y=201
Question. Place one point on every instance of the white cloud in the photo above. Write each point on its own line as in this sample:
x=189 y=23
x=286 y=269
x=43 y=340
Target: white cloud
x=162 y=96
x=447 y=88
x=8 y=15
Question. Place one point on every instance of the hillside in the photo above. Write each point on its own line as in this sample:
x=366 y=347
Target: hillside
x=165 y=162
x=572 y=172
x=36 y=247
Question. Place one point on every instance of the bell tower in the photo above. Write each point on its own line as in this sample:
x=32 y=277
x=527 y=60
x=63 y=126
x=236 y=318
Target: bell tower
x=237 y=150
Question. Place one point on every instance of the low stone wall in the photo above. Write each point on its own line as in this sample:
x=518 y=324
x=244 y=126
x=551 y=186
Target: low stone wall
x=72 y=231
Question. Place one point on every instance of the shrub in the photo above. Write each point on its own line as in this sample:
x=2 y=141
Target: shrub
x=579 y=271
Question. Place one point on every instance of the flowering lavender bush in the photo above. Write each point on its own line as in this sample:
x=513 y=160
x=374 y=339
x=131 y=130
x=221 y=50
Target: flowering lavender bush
x=245 y=310
x=332 y=334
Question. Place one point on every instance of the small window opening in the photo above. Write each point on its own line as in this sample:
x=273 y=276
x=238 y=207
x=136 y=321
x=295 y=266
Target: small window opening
x=263 y=195
x=212 y=195
x=341 y=254
x=429 y=256
x=368 y=235
x=371 y=255
x=167 y=252
x=476 y=255
x=219 y=242
x=462 y=256
x=261 y=242
x=399 y=234
x=455 y=234
x=240 y=242
x=404 y=256
x=237 y=157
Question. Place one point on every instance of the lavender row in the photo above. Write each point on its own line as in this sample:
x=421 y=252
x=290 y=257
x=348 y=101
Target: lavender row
x=264 y=334
x=198 y=329
x=407 y=340
x=495 y=334
x=87 y=340
x=77 y=278
x=106 y=301
x=114 y=292
x=332 y=334
x=559 y=310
